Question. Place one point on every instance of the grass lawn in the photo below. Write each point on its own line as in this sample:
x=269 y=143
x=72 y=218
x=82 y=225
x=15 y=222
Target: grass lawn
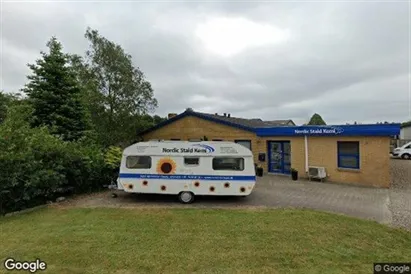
x=109 y=240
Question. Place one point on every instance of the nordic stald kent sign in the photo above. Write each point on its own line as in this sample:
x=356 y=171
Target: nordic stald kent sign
x=340 y=130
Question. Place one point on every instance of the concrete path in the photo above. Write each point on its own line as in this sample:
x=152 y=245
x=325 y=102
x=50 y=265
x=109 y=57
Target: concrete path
x=388 y=206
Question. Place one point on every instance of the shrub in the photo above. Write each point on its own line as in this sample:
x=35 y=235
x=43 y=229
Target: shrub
x=37 y=166
x=113 y=157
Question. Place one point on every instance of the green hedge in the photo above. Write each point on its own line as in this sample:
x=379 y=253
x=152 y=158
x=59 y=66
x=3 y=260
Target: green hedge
x=36 y=167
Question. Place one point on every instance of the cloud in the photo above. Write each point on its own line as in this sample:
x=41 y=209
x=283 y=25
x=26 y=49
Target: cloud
x=346 y=61
x=231 y=36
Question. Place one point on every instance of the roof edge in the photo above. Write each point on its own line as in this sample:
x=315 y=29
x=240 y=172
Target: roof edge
x=312 y=130
x=194 y=114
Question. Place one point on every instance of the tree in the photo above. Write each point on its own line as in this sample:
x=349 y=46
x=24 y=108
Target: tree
x=55 y=95
x=316 y=119
x=117 y=93
x=157 y=119
x=4 y=103
x=8 y=100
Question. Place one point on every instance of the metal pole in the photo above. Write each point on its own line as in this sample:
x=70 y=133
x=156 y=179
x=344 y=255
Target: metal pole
x=306 y=152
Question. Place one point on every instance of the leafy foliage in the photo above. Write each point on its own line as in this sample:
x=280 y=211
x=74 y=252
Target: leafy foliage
x=4 y=101
x=113 y=157
x=38 y=166
x=406 y=124
x=54 y=142
x=7 y=100
x=116 y=93
x=54 y=94
x=316 y=119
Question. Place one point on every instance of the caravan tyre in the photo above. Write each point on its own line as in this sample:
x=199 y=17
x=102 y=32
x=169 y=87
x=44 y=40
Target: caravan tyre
x=186 y=197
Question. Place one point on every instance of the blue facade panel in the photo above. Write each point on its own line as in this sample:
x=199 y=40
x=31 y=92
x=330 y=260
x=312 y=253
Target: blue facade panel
x=332 y=130
x=335 y=130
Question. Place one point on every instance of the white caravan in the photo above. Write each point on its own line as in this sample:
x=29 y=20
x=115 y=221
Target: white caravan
x=187 y=169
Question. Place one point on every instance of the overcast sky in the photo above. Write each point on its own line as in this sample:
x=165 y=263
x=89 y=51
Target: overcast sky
x=346 y=61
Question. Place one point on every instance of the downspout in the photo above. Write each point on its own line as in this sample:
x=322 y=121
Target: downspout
x=306 y=153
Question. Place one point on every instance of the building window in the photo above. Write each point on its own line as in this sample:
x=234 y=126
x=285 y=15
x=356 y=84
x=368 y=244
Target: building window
x=226 y=163
x=191 y=161
x=349 y=155
x=245 y=143
x=138 y=162
x=217 y=140
x=173 y=139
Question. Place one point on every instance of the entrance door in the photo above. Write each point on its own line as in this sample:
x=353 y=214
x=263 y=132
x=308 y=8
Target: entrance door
x=279 y=157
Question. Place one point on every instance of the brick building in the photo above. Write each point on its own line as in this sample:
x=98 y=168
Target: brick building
x=357 y=154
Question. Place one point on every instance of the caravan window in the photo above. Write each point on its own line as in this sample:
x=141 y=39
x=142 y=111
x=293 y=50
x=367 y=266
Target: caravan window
x=191 y=161
x=226 y=163
x=138 y=162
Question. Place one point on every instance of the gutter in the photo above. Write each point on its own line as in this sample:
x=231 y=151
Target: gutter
x=306 y=152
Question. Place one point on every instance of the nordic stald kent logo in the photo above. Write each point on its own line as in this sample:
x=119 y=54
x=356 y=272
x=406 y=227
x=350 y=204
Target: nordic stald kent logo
x=195 y=148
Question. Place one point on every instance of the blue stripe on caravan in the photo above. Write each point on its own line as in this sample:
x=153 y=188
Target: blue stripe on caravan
x=187 y=177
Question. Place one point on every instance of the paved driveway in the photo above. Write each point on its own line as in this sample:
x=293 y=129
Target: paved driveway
x=389 y=206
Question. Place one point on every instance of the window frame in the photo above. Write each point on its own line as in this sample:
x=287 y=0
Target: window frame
x=224 y=157
x=244 y=140
x=339 y=155
x=192 y=157
x=151 y=161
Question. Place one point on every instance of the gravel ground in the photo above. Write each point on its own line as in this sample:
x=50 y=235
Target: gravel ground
x=401 y=174
x=400 y=194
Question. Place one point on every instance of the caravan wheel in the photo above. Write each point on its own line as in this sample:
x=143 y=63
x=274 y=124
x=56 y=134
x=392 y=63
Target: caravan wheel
x=186 y=197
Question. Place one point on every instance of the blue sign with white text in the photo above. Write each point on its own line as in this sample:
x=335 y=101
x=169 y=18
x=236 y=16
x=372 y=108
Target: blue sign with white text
x=340 y=130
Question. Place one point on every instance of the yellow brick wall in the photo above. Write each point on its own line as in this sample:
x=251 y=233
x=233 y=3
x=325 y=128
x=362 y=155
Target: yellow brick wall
x=322 y=151
x=374 y=157
x=192 y=127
